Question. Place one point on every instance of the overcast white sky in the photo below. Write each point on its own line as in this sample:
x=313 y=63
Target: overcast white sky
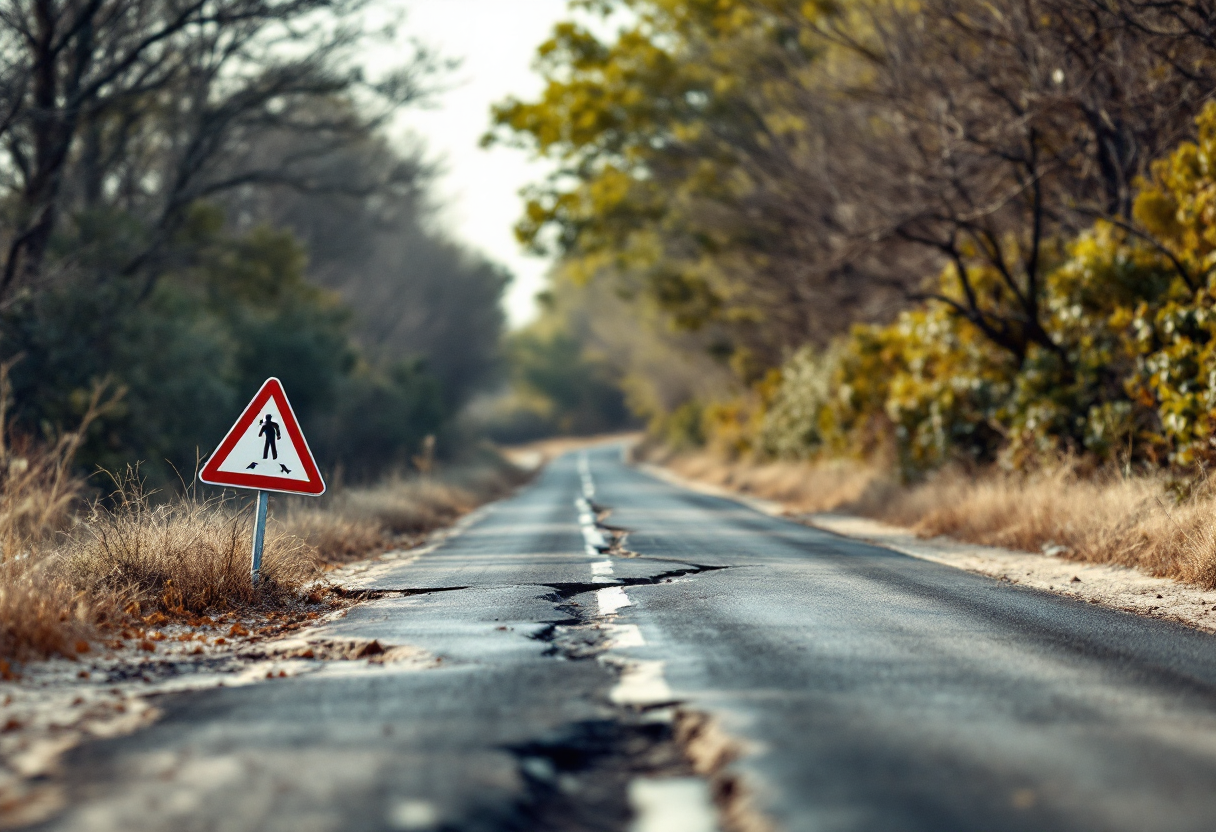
x=496 y=40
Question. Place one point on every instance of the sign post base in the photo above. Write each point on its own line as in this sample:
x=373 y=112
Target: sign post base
x=259 y=533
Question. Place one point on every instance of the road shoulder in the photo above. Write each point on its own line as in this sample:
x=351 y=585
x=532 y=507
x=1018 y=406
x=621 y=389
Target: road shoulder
x=1119 y=587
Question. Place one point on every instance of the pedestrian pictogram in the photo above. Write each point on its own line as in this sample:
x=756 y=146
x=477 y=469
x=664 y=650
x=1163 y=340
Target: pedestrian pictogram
x=257 y=454
x=270 y=429
x=265 y=449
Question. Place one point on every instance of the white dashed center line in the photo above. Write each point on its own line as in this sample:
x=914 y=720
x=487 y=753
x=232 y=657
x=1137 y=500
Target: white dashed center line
x=611 y=599
x=641 y=682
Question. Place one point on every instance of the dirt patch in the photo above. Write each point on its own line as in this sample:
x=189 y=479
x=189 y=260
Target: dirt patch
x=711 y=750
x=56 y=704
x=330 y=650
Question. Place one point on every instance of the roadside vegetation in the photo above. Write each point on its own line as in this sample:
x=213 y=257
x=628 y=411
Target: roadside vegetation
x=948 y=265
x=196 y=197
x=267 y=226
x=81 y=574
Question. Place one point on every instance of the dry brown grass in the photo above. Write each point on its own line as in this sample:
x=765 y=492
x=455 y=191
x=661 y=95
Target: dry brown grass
x=130 y=558
x=1132 y=521
x=41 y=612
x=409 y=506
x=335 y=537
x=68 y=569
x=187 y=556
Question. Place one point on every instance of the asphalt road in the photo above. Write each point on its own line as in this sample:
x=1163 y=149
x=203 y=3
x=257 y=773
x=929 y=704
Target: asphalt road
x=825 y=684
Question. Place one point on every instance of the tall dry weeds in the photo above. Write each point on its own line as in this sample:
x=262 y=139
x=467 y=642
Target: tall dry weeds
x=41 y=614
x=1130 y=521
x=188 y=555
x=63 y=571
x=828 y=486
x=41 y=611
x=66 y=567
x=39 y=485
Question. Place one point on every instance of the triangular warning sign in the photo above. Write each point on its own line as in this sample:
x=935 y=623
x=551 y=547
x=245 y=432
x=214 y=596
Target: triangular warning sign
x=265 y=449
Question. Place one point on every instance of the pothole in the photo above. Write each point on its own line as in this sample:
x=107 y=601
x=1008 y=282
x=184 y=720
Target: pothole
x=579 y=780
x=626 y=771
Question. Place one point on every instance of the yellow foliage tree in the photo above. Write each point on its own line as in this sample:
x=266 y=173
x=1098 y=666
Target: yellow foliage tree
x=1134 y=307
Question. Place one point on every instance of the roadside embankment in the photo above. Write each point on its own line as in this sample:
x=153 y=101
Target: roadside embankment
x=1134 y=543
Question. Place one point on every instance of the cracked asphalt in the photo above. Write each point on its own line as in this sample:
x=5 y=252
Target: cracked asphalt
x=831 y=685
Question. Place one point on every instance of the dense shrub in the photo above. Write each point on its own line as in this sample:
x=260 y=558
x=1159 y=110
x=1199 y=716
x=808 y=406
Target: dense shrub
x=1132 y=313
x=189 y=349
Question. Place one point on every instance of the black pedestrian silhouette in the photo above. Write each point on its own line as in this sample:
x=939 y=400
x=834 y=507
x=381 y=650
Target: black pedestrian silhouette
x=270 y=430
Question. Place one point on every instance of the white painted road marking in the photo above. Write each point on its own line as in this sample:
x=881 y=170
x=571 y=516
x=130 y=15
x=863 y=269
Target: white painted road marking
x=611 y=599
x=413 y=814
x=593 y=536
x=601 y=572
x=641 y=684
x=624 y=635
x=677 y=804
x=584 y=472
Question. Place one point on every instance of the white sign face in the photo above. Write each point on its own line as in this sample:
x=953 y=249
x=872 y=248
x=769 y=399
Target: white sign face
x=264 y=448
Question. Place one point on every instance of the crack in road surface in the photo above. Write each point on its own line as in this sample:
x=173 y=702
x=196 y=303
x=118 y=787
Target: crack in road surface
x=405 y=592
x=643 y=765
x=645 y=750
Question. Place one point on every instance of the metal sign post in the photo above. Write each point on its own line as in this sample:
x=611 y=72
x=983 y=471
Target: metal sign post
x=265 y=451
x=259 y=533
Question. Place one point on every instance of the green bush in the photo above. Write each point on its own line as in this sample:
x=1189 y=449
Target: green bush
x=189 y=350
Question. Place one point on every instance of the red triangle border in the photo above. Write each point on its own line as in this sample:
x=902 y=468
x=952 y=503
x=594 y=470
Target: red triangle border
x=210 y=473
